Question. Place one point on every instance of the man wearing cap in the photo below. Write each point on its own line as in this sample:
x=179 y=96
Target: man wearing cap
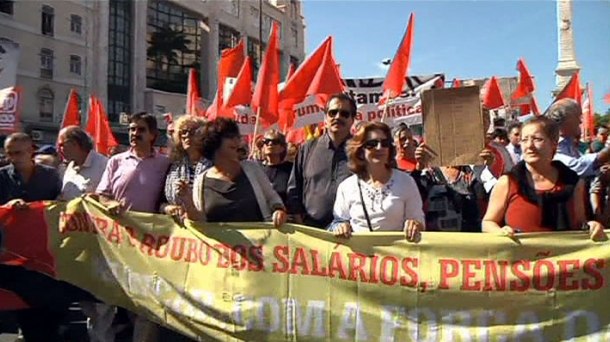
x=47 y=155
x=599 y=143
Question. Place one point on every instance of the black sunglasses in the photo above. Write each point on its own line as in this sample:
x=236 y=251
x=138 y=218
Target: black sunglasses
x=272 y=141
x=373 y=143
x=346 y=114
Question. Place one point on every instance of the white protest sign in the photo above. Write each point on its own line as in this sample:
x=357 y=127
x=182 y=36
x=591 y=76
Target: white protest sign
x=367 y=92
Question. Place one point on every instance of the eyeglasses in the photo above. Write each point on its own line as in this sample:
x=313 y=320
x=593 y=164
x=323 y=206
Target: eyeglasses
x=186 y=132
x=272 y=141
x=374 y=143
x=346 y=114
x=535 y=140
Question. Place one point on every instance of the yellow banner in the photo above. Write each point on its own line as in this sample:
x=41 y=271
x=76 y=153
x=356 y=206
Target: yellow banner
x=246 y=282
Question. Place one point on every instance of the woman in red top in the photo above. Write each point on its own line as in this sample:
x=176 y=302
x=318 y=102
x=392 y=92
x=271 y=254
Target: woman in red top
x=539 y=194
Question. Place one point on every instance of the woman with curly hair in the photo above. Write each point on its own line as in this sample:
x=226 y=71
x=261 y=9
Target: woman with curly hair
x=227 y=191
x=377 y=197
x=187 y=161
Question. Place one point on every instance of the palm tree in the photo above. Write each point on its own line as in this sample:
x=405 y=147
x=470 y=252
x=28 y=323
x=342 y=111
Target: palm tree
x=164 y=44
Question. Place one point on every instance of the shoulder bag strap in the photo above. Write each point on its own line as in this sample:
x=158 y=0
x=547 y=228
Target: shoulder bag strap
x=366 y=213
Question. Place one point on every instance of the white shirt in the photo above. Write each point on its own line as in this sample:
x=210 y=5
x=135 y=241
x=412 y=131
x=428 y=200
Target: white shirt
x=388 y=208
x=515 y=152
x=79 y=180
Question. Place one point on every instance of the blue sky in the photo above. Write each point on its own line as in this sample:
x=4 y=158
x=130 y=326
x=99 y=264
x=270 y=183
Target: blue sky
x=465 y=39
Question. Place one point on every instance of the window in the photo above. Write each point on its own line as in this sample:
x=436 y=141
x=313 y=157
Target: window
x=48 y=19
x=45 y=104
x=75 y=64
x=255 y=50
x=267 y=22
x=6 y=6
x=294 y=35
x=254 y=15
x=227 y=38
x=119 y=58
x=46 y=63
x=295 y=62
x=294 y=9
x=76 y=23
x=174 y=46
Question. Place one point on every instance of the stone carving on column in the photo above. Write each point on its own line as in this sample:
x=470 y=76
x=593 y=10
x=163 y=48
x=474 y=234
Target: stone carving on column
x=566 y=64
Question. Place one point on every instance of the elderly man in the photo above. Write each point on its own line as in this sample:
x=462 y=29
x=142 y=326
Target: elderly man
x=85 y=166
x=567 y=113
x=82 y=175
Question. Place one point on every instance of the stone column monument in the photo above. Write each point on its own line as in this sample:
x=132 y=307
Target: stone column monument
x=566 y=64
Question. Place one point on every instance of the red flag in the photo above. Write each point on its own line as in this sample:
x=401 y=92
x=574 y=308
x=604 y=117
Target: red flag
x=493 y=97
x=607 y=98
x=296 y=87
x=26 y=244
x=396 y=76
x=572 y=90
x=71 y=113
x=456 y=83
x=327 y=80
x=231 y=62
x=99 y=127
x=296 y=136
x=265 y=98
x=526 y=84
x=193 y=96
x=531 y=107
x=242 y=91
x=290 y=72
x=588 y=111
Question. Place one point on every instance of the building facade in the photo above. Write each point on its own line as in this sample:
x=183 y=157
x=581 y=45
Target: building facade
x=134 y=55
x=59 y=51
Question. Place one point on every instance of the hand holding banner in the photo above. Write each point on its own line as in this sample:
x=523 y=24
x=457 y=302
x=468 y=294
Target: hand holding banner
x=250 y=282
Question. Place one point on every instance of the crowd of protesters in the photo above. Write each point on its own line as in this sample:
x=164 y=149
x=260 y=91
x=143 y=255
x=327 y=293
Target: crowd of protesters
x=533 y=177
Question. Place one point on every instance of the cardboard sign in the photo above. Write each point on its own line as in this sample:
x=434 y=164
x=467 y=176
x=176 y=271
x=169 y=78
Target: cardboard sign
x=454 y=129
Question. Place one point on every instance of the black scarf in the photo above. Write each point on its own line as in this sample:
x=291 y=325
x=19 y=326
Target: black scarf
x=555 y=211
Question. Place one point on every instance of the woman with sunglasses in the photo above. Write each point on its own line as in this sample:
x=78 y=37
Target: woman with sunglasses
x=274 y=163
x=378 y=197
x=187 y=162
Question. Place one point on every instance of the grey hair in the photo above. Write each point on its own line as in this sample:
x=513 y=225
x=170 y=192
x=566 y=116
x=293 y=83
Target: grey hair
x=78 y=135
x=560 y=110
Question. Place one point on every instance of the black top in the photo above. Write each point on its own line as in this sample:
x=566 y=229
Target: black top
x=44 y=184
x=318 y=170
x=231 y=201
x=279 y=175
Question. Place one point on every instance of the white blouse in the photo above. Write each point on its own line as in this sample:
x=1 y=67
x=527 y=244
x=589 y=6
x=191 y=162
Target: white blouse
x=388 y=207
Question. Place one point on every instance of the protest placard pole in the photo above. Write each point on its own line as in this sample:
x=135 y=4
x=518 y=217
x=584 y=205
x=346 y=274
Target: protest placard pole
x=256 y=123
x=385 y=110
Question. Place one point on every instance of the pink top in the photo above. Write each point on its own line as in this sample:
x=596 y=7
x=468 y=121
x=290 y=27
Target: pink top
x=137 y=182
